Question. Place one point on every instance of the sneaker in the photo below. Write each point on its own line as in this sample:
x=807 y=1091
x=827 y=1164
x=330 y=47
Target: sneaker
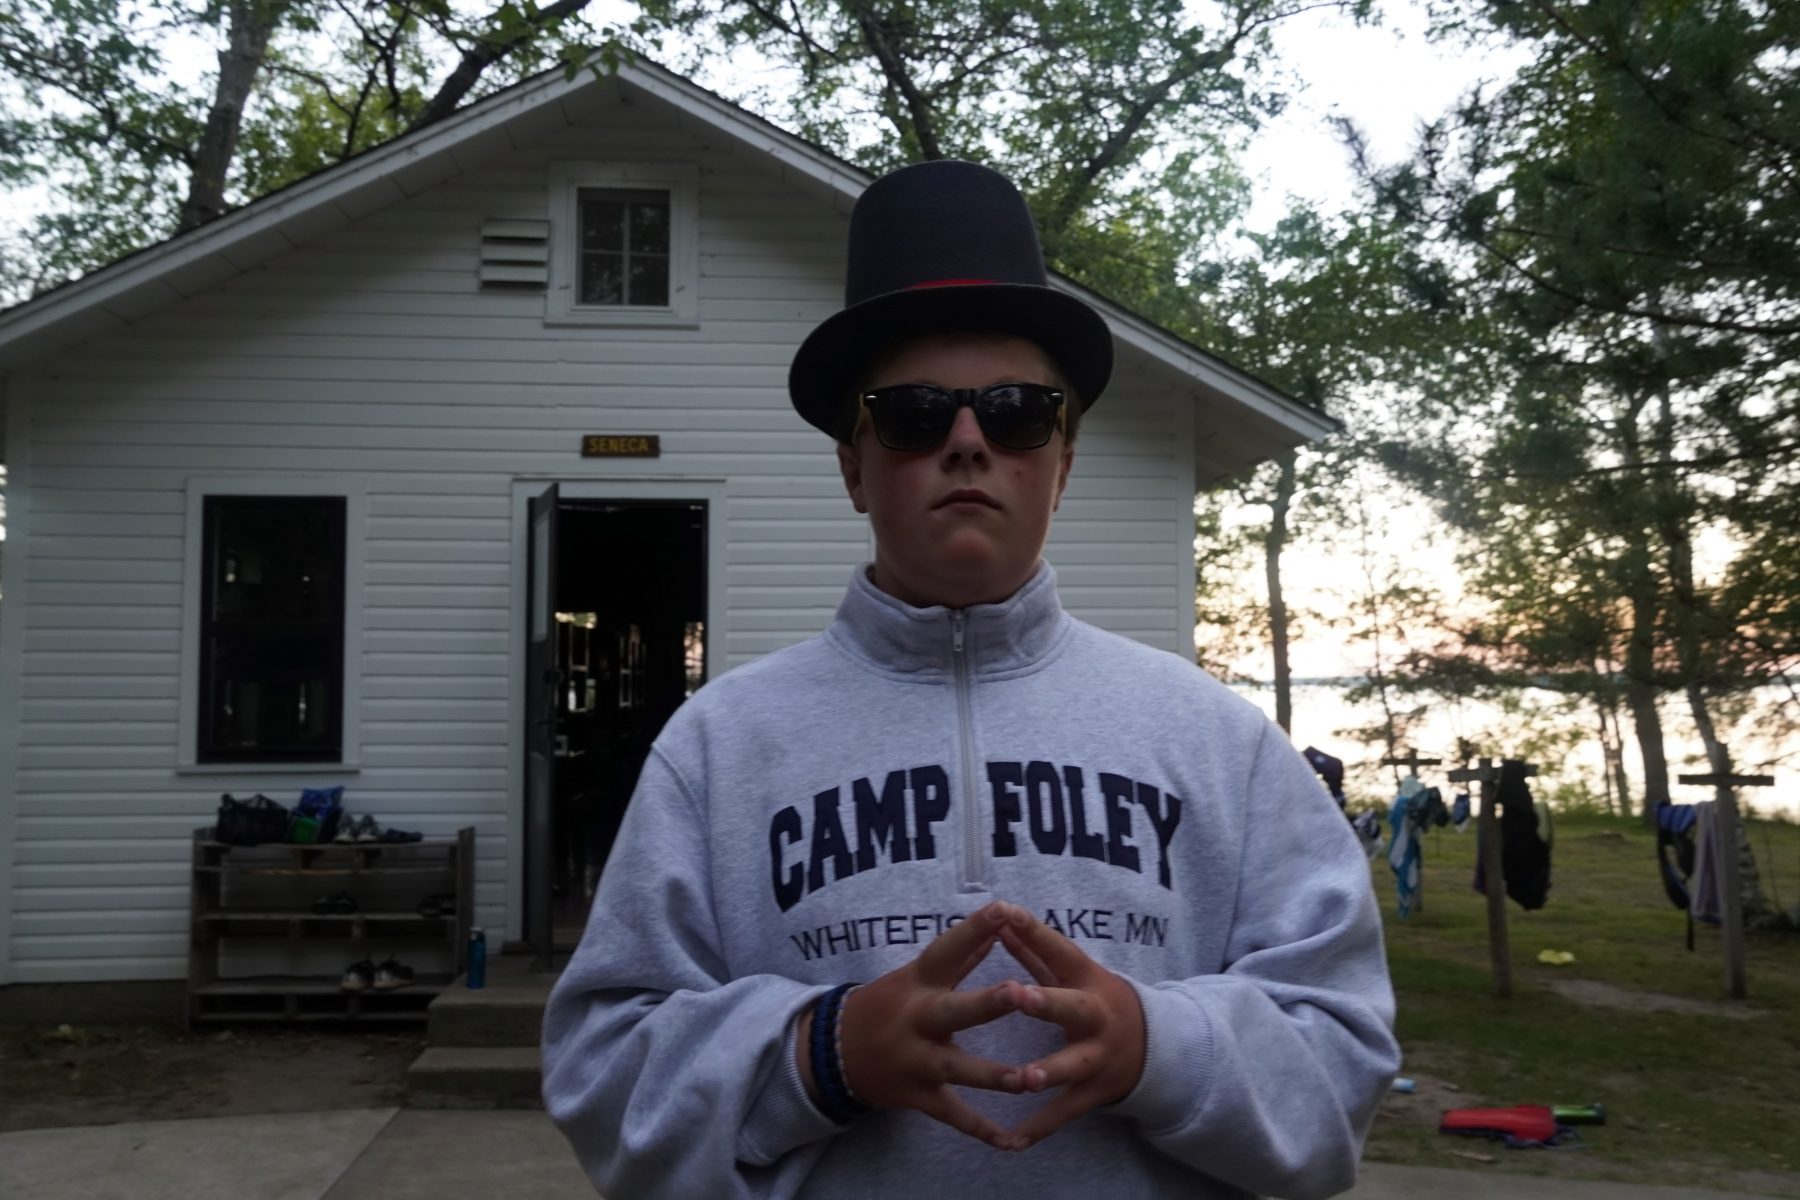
x=367 y=830
x=390 y=975
x=439 y=905
x=359 y=977
x=346 y=832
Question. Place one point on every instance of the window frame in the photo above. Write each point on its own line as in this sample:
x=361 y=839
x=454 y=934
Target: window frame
x=197 y=588
x=682 y=182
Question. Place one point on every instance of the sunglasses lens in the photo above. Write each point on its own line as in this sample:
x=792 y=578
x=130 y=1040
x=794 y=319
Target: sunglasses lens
x=1013 y=416
x=912 y=417
x=1018 y=416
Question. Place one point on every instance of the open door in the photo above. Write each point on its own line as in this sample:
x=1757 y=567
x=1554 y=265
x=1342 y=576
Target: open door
x=541 y=684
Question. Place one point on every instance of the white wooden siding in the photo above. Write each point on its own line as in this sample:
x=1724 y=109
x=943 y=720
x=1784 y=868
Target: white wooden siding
x=374 y=352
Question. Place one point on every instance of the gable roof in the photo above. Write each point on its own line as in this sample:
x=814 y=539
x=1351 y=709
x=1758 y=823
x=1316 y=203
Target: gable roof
x=1243 y=420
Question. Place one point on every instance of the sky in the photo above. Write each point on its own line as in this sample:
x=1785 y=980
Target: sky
x=1388 y=78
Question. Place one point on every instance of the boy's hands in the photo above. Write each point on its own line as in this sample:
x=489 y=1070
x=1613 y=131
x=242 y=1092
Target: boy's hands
x=897 y=1031
x=1101 y=1015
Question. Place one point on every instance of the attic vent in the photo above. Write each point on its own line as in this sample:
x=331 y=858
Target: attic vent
x=515 y=255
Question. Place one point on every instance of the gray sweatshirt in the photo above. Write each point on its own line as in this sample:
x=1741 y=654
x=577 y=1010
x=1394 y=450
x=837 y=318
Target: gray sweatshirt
x=818 y=815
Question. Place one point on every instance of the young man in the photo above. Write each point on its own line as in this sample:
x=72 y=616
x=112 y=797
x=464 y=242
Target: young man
x=1112 y=937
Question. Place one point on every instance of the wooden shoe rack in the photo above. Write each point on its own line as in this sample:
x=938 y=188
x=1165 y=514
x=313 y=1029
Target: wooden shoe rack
x=257 y=950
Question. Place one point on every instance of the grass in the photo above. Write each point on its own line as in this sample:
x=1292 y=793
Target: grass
x=1692 y=1097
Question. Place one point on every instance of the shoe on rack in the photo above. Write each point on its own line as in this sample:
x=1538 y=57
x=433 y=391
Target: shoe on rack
x=360 y=977
x=367 y=830
x=391 y=974
x=395 y=836
x=341 y=904
x=440 y=905
x=346 y=832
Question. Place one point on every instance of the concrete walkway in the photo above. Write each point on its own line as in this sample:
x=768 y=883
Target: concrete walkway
x=415 y=1154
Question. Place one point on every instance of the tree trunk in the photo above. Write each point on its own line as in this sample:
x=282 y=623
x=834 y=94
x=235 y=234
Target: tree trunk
x=1273 y=543
x=1641 y=682
x=1639 y=581
x=920 y=123
x=1647 y=724
x=252 y=24
x=1621 y=774
x=1616 y=752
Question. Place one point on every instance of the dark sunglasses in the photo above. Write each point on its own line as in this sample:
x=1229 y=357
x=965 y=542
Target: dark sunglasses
x=918 y=416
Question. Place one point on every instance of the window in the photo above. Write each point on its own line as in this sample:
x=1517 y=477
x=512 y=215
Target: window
x=271 y=671
x=623 y=245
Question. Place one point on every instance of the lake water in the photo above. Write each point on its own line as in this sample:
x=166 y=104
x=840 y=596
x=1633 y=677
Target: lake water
x=1563 y=740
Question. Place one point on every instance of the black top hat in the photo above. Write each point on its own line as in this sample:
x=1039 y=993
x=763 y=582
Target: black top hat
x=936 y=247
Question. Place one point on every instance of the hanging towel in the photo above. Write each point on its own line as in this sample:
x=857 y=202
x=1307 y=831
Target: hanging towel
x=1703 y=889
x=1459 y=811
x=1330 y=769
x=1368 y=828
x=1525 y=838
x=1405 y=855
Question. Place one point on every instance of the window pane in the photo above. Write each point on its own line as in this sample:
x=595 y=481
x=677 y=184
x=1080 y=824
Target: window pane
x=650 y=227
x=602 y=222
x=272 y=643
x=276 y=564
x=650 y=280
x=602 y=279
x=277 y=695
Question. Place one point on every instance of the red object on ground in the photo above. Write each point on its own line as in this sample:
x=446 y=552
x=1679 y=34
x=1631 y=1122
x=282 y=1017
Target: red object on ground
x=1522 y=1124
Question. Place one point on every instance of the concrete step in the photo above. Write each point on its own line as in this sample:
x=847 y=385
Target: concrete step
x=509 y=1011
x=484 y=1077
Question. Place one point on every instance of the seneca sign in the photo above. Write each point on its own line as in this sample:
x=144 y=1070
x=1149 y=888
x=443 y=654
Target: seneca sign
x=621 y=445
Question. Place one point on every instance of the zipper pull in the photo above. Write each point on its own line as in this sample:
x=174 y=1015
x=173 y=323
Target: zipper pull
x=956 y=633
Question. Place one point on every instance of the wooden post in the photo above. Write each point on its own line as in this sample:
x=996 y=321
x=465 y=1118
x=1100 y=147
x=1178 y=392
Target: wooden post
x=1499 y=946
x=1412 y=762
x=1725 y=855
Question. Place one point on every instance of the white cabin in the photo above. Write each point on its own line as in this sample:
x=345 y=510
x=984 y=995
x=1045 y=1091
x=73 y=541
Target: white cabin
x=271 y=489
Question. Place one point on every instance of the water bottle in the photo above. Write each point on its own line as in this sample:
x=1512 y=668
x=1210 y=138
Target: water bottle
x=1579 y=1114
x=477 y=957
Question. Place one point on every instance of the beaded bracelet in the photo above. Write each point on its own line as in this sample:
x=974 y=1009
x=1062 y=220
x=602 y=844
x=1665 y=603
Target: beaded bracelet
x=837 y=1046
x=826 y=1054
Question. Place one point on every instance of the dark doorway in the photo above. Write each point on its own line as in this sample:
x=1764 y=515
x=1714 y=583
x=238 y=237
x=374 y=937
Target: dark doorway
x=628 y=646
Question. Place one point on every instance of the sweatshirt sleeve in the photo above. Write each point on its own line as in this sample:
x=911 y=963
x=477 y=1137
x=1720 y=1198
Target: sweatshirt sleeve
x=669 y=1077
x=1267 y=1075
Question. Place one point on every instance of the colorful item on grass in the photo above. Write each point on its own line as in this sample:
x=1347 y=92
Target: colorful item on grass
x=1523 y=1126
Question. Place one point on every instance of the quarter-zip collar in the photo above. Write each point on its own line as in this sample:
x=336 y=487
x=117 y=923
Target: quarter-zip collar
x=891 y=636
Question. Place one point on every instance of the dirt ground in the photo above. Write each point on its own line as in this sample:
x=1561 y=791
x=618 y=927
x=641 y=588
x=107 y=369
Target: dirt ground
x=69 y=1073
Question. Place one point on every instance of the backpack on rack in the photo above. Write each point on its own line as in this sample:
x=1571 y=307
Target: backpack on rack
x=250 y=822
x=316 y=817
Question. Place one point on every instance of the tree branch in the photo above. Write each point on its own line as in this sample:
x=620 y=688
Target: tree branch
x=484 y=54
x=918 y=110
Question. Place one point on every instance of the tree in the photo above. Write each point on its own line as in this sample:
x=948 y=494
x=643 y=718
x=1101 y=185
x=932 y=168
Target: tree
x=1083 y=103
x=96 y=113
x=1628 y=207
x=1327 y=309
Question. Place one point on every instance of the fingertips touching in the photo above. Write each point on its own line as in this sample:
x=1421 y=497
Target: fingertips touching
x=1024 y=1079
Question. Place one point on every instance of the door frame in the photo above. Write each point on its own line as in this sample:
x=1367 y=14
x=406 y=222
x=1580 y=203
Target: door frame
x=711 y=491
